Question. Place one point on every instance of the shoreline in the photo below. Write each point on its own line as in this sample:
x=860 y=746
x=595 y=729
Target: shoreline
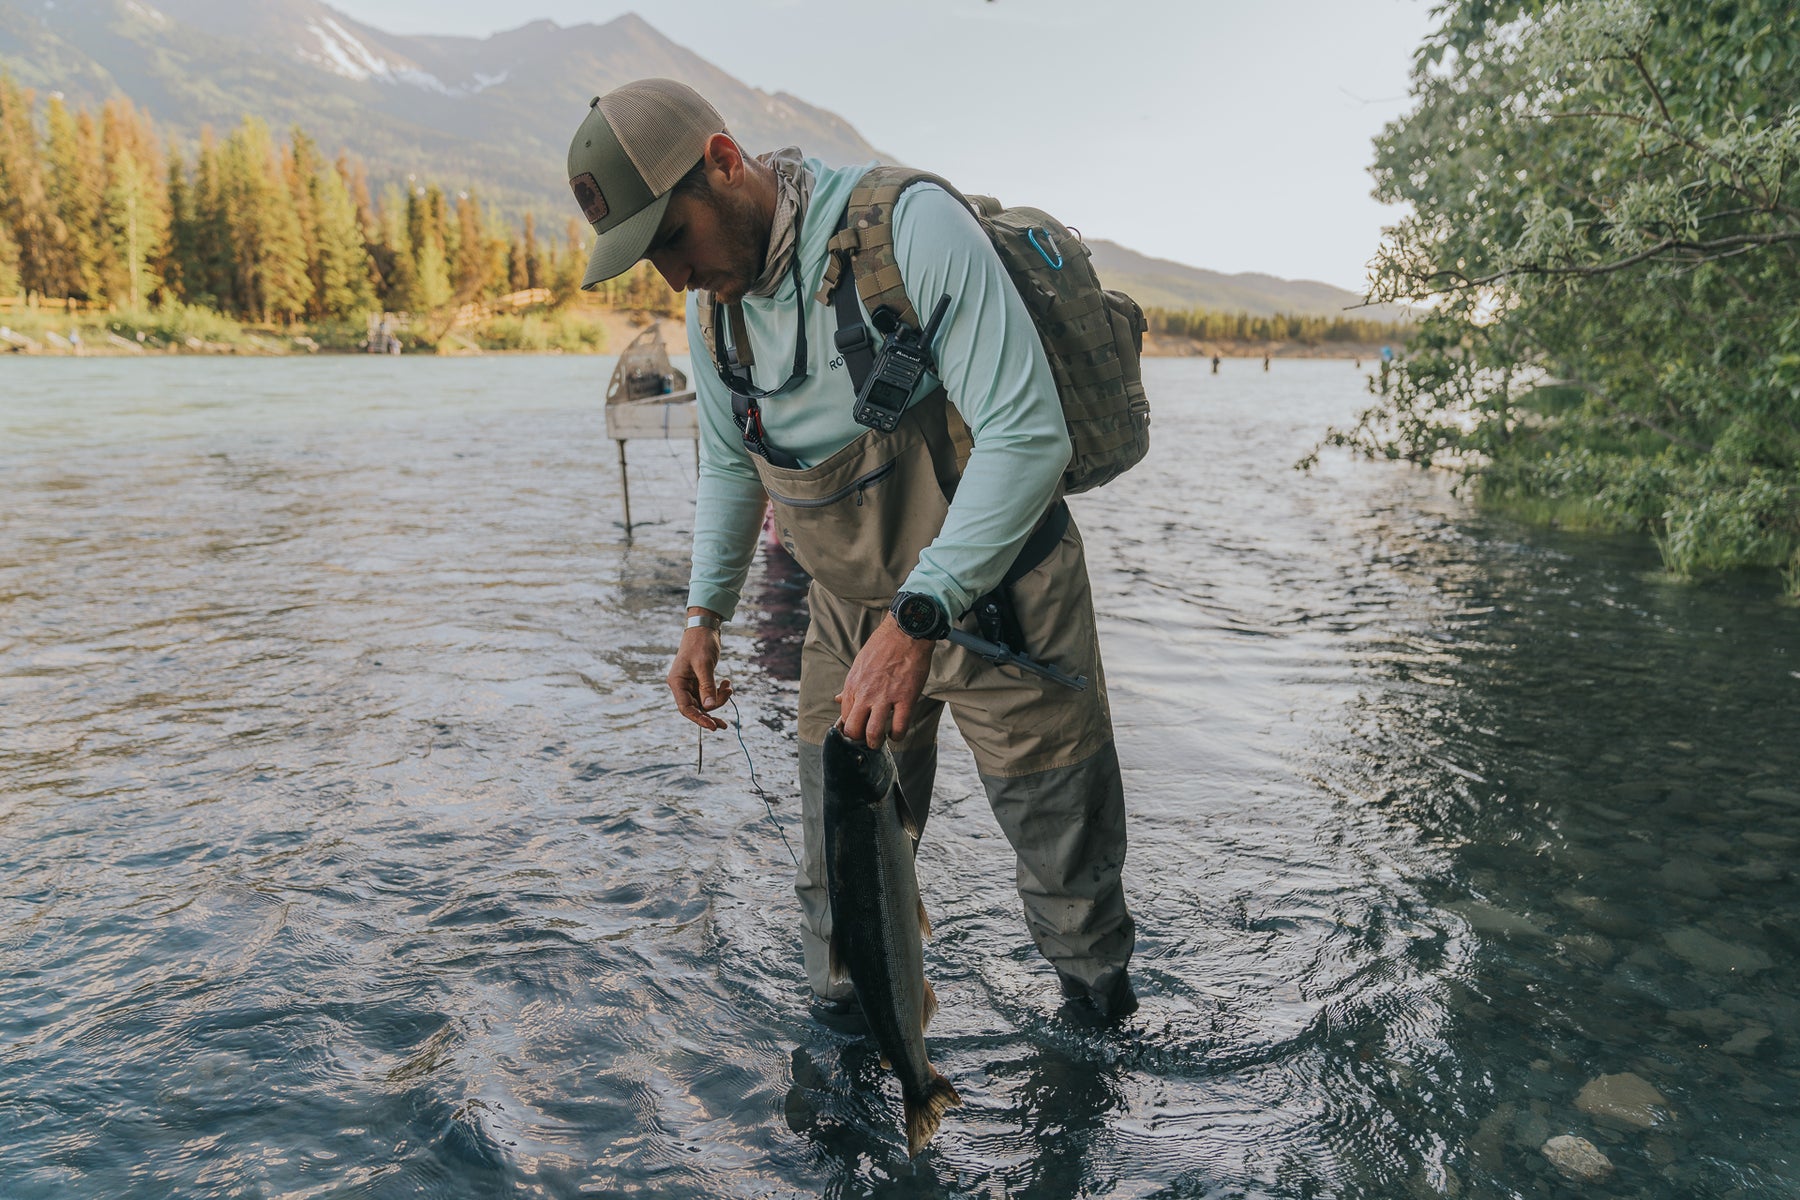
x=619 y=327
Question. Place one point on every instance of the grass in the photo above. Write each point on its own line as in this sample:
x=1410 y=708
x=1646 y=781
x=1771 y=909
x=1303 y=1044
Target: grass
x=181 y=328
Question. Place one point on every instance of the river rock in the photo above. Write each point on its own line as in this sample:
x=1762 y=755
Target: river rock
x=1530 y=1129
x=1494 y=921
x=1624 y=1099
x=1589 y=947
x=1713 y=1022
x=1577 y=1159
x=1745 y=1041
x=1708 y=953
x=1602 y=917
x=1690 y=876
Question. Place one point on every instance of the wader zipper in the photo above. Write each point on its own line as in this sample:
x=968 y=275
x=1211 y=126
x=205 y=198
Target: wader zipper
x=855 y=485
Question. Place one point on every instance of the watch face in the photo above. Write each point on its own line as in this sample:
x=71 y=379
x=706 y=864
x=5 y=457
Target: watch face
x=916 y=614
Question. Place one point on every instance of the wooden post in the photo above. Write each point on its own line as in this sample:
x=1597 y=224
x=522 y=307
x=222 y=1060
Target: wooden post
x=625 y=486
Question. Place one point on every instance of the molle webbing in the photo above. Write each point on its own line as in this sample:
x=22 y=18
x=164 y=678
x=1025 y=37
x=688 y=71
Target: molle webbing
x=1092 y=337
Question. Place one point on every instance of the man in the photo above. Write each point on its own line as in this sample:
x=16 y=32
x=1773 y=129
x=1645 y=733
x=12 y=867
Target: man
x=883 y=520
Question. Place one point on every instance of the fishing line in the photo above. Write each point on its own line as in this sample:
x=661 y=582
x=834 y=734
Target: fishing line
x=737 y=720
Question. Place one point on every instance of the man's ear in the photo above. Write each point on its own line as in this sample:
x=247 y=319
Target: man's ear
x=724 y=161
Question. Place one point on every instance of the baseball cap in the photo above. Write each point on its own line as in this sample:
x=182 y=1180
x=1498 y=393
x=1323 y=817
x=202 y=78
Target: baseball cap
x=634 y=145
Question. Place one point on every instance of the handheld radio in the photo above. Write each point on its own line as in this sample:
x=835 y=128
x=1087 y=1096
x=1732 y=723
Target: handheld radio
x=904 y=358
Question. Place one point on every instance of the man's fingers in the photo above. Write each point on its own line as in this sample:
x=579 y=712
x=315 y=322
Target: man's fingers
x=693 y=713
x=897 y=723
x=875 y=731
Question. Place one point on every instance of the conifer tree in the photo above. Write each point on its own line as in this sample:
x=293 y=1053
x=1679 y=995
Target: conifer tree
x=270 y=262
x=425 y=231
x=178 y=248
x=395 y=256
x=474 y=263
x=212 y=277
x=533 y=263
x=135 y=213
x=516 y=278
x=345 y=284
x=25 y=206
x=77 y=182
x=9 y=262
x=300 y=164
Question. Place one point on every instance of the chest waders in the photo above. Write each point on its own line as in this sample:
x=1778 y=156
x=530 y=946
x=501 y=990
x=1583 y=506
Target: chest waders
x=857 y=523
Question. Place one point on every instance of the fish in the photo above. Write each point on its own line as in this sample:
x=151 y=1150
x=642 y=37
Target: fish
x=878 y=922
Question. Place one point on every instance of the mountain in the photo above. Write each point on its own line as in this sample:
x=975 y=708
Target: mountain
x=1160 y=283
x=494 y=113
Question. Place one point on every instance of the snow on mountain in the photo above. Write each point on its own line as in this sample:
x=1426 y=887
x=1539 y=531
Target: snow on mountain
x=344 y=54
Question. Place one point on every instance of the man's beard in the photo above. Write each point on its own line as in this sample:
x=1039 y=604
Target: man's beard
x=745 y=236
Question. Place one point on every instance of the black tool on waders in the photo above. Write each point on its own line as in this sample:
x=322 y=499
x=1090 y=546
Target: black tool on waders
x=1005 y=656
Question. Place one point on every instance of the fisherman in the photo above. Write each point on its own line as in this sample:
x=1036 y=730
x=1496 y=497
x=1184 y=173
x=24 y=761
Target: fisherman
x=900 y=542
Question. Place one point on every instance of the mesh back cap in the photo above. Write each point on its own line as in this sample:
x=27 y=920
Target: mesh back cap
x=634 y=145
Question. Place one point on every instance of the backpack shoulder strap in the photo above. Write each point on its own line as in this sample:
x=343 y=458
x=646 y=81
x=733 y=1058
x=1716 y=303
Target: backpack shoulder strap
x=865 y=240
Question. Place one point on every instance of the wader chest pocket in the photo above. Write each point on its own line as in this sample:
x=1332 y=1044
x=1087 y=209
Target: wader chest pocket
x=855 y=487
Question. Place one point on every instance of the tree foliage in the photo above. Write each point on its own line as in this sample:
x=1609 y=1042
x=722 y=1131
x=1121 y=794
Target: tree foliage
x=1603 y=214
x=255 y=229
x=1213 y=325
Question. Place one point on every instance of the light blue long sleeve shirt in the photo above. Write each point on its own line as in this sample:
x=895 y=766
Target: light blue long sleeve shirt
x=993 y=370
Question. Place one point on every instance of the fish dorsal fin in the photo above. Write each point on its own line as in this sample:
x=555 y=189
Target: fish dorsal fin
x=930 y=1006
x=908 y=821
x=924 y=921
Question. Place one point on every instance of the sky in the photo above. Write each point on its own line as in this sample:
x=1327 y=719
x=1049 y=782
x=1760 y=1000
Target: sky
x=1228 y=135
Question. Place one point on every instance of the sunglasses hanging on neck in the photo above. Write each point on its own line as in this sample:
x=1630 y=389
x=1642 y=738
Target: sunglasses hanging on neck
x=734 y=372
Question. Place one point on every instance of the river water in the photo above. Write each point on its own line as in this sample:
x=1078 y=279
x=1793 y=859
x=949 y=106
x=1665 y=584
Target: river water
x=348 y=846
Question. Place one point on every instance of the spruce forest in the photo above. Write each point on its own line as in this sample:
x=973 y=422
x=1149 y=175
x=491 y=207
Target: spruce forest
x=95 y=212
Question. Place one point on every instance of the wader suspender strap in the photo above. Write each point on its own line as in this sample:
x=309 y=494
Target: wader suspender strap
x=734 y=363
x=993 y=610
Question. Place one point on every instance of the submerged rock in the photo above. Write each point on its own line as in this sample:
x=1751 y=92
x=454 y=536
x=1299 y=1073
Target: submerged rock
x=1747 y=1040
x=1708 y=953
x=1577 y=1159
x=1494 y=921
x=1589 y=947
x=1624 y=1099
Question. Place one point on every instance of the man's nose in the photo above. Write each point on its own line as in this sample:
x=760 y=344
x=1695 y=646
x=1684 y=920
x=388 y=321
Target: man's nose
x=675 y=274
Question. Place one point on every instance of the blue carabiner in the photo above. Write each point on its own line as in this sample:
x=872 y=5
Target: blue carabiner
x=1056 y=263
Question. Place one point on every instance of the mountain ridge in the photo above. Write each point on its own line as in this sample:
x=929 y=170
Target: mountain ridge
x=490 y=114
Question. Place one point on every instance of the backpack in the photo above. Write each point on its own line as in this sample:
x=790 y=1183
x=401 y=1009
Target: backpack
x=1092 y=337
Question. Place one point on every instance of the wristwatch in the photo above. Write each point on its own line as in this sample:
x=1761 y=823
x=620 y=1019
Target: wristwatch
x=920 y=616
x=705 y=621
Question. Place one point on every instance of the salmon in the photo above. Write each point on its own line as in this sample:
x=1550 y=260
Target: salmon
x=878 y=922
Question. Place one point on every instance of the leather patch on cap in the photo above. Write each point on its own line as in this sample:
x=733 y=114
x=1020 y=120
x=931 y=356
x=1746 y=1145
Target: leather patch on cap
x=590 y=197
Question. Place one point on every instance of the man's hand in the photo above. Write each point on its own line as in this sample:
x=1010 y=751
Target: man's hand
x=691 y=677
x=883 y=685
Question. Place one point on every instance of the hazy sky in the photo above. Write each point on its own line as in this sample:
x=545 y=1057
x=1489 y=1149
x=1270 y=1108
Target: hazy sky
x=1227 y=135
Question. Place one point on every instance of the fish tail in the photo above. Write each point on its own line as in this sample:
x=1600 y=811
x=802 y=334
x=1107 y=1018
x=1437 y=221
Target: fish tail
x=925 y=1113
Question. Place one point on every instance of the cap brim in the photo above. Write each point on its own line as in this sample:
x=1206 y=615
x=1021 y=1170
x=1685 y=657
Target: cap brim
x=619 y=247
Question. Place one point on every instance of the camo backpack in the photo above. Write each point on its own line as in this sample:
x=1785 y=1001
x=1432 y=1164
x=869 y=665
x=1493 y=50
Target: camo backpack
x=1093 y=337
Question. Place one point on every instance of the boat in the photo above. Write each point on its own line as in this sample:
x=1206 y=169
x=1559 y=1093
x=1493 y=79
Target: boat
x=648 y=398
